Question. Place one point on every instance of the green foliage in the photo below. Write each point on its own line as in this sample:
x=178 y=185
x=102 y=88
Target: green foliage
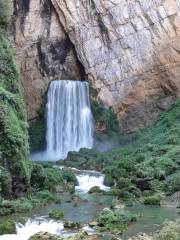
x=69 y=176
x=172 y=183
x=38 y=177
x=5 y=183
x=115 y=221
x=56 y=214
x=37 y=134
x=148 y=161
x=37 y=129
x=7 y=227
x=54 y=177
x=105 y=116
x=152 y=200
x=24 y=205
x=14 y=149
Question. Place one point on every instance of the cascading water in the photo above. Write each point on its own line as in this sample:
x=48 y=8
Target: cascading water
x=69 y=120
x=88 y=179
x=31 y=227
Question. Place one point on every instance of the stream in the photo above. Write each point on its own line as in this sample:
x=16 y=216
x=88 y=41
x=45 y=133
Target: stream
x=85 y=208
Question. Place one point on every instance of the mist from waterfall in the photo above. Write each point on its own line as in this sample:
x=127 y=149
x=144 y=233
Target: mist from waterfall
x=69 y=118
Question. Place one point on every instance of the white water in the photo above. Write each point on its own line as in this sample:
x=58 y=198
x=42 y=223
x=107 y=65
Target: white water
x=88 y=179
x=31 y=227
x=69 y=120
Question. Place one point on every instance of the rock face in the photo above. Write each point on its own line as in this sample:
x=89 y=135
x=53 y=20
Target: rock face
x=130 y=50
x=43 y=50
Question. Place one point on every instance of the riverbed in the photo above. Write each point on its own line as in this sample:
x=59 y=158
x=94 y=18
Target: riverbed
x=84 y=208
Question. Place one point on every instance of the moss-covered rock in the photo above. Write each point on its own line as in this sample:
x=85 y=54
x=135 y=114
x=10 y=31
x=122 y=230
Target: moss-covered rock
x=56 y=214
x=95 y=189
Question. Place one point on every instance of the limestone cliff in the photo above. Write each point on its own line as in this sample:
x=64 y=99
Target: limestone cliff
x=130 y=50
x=43 y=50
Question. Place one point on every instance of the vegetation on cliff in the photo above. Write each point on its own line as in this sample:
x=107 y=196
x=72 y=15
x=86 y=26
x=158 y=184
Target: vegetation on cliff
x=14 y=148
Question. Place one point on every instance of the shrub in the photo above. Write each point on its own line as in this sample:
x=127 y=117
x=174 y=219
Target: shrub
x=152 y=200
x=54 y=178
x=38 y=176
x=114 y=221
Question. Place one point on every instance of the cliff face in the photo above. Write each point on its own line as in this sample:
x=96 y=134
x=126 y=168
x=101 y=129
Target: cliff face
x=43 y=50
x=130 y=51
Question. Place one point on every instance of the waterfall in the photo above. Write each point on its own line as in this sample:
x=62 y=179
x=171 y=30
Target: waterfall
x=88 y=179
x=31 y=227
x=69 y=118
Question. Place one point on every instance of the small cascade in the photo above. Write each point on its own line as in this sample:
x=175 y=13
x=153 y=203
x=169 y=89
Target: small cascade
x=31 y=227
x=88 y=179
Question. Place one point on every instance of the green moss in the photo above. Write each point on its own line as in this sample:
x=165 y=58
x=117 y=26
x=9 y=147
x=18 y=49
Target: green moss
x=14 y=148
